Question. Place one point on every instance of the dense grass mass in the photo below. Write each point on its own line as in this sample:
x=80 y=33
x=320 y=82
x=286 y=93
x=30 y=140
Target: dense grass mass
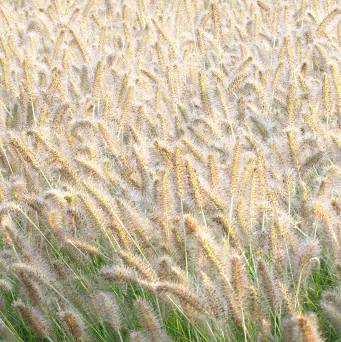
x=170 y=170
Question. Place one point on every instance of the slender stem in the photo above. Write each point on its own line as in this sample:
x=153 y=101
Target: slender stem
x=185 y=236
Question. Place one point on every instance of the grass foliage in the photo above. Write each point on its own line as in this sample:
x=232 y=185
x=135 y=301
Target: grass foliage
x=170 y=170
